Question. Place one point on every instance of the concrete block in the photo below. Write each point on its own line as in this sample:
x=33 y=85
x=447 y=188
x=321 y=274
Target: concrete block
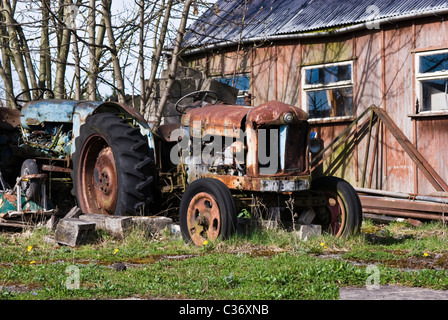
x=98 y=219
x=118 y=226
x=305 y=231
x=152 y=225
x=114 y=225
x=73 y=232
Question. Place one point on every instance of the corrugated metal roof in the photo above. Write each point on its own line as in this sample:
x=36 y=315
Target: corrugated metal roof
x=267 y=18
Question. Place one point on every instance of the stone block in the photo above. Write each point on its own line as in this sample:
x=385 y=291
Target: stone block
x=73 y=232
x=152 y=225
x=117 y=226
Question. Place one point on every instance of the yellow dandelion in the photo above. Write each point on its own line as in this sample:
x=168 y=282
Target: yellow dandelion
x=29 y=248
x=205 y=242
x=115 y=251
x=325 y=247
x=322 y=244
x=425 y=254
x=31 y=262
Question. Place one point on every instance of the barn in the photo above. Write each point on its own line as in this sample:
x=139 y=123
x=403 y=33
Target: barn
x=373 y=77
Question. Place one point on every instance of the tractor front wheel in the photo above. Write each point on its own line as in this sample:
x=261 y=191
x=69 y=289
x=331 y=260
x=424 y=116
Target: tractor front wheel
x=207 y=211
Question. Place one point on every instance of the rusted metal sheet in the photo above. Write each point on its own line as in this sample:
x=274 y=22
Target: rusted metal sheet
x=46 y=167
x=265 y=184
x=216 y=119
x=274 y=112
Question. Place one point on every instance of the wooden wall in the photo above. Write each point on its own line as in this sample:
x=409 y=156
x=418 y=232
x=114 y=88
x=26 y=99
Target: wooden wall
x=383 y=74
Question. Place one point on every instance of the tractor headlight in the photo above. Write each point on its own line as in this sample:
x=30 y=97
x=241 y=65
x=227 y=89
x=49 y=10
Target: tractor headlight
x=316 y=145
x=288 y=117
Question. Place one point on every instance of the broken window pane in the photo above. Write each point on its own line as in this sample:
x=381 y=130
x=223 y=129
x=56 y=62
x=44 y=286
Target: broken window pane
x=434 y=95
x=330 y=74
x=336 y=102
x=433 y=81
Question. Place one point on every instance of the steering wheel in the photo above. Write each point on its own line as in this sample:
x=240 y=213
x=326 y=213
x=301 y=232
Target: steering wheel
x=21 y=102
x=199 y=100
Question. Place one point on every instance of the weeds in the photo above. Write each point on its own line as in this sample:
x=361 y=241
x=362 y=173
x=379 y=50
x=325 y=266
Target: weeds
x=266 y=264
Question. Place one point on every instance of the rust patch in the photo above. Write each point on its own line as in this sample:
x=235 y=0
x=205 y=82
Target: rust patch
x=216 y=119
x=273 y=113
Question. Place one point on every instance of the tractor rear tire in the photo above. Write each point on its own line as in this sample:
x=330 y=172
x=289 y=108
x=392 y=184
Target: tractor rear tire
x=342 y=215
x=112 y=167
x=207 y=212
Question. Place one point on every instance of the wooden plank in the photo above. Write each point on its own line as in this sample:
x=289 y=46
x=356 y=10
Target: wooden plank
x=433 y=177
x=402 y=204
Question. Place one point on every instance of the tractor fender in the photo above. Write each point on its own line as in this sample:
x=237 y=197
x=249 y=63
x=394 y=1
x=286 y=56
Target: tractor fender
x=88 y=108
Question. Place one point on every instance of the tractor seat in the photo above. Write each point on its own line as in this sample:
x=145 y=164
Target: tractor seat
x=165 y=130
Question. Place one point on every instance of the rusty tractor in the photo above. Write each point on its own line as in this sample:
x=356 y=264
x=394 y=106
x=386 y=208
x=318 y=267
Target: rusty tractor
x=218 y=162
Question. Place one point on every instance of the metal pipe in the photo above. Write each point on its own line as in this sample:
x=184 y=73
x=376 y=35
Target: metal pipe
x=402 y=195
x=406 y=214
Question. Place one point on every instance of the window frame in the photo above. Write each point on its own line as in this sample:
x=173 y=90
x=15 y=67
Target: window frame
x=419 y=77
x=332 y=85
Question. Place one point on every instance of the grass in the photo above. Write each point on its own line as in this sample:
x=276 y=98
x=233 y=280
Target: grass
x=267 y=265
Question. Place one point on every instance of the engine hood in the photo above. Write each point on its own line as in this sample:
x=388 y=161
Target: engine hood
x=229 y=119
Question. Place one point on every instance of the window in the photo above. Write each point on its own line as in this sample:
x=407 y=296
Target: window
x=328 y=90
x=432 y=80
x=241 y=82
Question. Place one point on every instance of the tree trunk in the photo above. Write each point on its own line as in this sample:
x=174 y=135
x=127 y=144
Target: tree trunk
x=91 y=89
x=174 y=60
x=15 y=48
x=156 y=59
x=61 y=66
x=44 y=62
x=113 y=50
x=5 y=70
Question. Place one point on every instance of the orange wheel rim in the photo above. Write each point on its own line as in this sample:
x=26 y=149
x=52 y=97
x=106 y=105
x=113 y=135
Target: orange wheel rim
x=203 y=218
x=98 y=182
